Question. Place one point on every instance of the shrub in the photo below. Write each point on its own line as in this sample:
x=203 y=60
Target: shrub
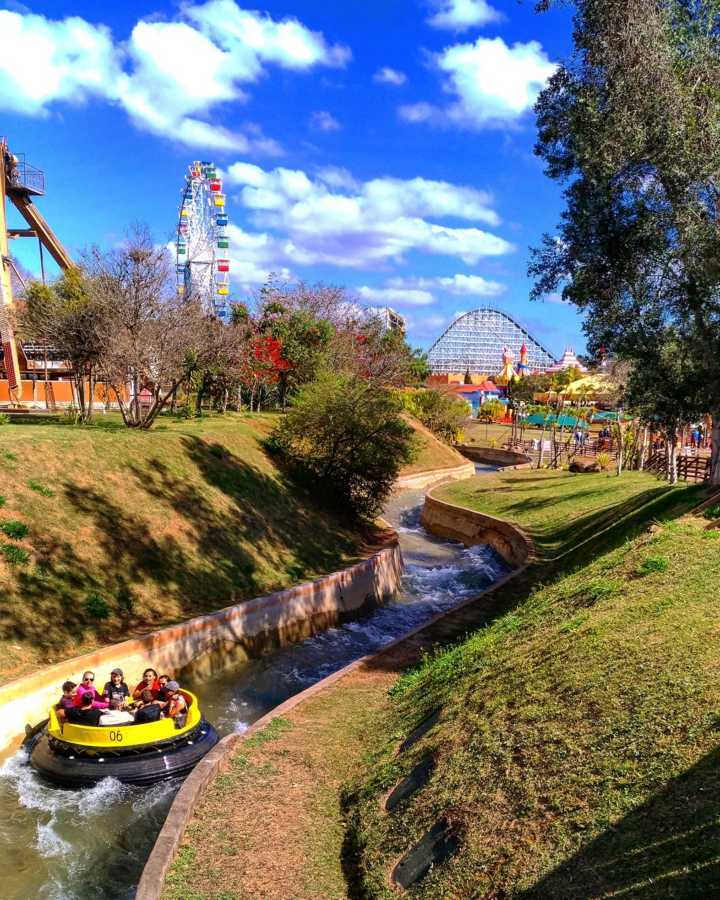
x=441 y=411
x=96 y=607
x=14 y=554
x=3 y=501
x=344 y=437
x=14 y=529
x=712 y=512
x=4 y=419
x=652 y=564
x=40 y=488
x=491 y=411
x=603 y=460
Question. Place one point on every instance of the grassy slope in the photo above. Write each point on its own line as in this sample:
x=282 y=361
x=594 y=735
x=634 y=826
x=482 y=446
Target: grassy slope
x=588 y=701
x=433 y=453
x=557 y=509
x=577 y=749
x=162 y=526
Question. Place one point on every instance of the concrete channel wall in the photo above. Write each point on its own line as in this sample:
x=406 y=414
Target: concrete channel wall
x=445 y=520
x=274 y=620
x=419 y=480
x=495 y=456
x=449 y=521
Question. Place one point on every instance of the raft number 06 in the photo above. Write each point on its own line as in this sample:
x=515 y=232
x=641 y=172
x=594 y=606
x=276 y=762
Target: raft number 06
x=116 y=736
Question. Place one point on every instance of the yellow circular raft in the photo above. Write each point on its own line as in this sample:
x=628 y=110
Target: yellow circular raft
x=81 y=755
x=118 y=736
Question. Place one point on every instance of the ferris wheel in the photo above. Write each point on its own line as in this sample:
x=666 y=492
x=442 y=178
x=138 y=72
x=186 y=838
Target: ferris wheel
x=203 y=267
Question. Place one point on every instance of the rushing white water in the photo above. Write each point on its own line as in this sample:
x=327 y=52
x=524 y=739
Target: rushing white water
x=91 y=844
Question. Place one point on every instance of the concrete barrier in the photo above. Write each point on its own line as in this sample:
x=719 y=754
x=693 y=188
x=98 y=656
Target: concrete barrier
x=419 y=480
x=250 y=627
x=495 y=456
x=471 y=527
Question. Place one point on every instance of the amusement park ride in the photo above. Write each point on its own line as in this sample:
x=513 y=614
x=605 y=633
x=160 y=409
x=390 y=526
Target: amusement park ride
x=203 y=267
x=19 y=183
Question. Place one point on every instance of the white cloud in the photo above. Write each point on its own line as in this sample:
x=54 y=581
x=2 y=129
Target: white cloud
x=338 y=177
x=459 y=285
x=253 y=257
x=324 y=121
x=458 y=15
x=395 y=296
x=554 y=297
x=169 y=76
x=342 y=223
x=386 y=75
x=42 y=61
x=494 y=84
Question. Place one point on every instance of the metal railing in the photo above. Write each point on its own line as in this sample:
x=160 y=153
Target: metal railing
x=24 y=176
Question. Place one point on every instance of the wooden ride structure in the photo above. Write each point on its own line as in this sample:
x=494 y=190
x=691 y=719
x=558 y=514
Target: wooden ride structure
x=19 y=183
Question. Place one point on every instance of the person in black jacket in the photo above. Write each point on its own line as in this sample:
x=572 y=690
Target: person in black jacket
x=150 y=709
x=84 y=714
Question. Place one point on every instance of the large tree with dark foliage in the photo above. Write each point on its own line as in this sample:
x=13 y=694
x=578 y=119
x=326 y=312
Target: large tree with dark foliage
x=630 y=124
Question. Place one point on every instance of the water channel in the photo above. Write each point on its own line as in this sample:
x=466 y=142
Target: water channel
x=92 y=844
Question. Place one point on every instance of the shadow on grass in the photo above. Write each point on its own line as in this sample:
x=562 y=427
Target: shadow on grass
x=206 y=566
x=668 y=847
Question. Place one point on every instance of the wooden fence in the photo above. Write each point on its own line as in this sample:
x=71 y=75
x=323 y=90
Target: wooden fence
x=689 y=468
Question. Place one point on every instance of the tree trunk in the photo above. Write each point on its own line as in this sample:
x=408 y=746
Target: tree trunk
x=642 y=456
x=715 y=458
x=204 y=381
x=91 y=396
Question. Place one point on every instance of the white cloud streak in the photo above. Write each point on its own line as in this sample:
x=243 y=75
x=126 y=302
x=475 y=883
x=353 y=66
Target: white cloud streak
x=387 y=75
x=459 y=285
x=322 y=120
x=168 y=76
x=395 y=296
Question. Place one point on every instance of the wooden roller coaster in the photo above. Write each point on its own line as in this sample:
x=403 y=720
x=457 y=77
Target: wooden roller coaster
x=19 y=183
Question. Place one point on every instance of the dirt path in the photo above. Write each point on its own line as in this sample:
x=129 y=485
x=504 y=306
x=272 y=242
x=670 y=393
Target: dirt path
x=271 y=825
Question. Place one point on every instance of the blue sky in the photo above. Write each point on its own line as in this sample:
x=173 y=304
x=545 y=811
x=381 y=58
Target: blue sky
x=384 y=145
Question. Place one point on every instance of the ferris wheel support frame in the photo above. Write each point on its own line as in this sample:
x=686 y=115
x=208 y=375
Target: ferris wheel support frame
x=201 y=234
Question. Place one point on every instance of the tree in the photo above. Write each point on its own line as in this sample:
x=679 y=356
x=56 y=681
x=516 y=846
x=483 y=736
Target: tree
x=630 y=125
x=70 y=316
x=344 y=437
x=155 y=341
x=443 y=412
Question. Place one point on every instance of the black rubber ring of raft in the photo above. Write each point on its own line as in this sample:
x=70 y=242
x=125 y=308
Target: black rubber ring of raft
x=146 y=765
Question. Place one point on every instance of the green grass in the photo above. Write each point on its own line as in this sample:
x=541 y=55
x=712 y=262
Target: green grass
x=13 y=529
x=164 y=525
x=559 y=510
x=41 y=489
x=577 y=748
